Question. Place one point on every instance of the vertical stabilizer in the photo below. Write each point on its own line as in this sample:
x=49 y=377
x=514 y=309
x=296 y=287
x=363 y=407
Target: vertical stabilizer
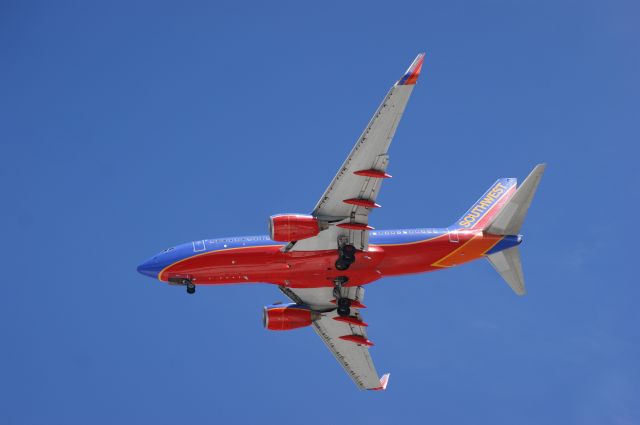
x=507 y=222
x=510 y=218
x=508 y=264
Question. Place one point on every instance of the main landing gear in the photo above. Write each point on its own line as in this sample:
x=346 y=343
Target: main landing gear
x=346 y=256
x=343 y=303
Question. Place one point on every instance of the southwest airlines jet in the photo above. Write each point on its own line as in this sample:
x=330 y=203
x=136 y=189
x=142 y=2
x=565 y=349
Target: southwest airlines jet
x=323 y=261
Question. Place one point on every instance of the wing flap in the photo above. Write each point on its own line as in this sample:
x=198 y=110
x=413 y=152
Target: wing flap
x=353 y=356
x=368 y=154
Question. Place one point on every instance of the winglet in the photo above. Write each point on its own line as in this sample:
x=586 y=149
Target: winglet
x=411 y=76
x=383 y=382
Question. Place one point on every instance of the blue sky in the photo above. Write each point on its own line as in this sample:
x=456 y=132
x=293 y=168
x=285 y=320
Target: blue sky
x=129 y=127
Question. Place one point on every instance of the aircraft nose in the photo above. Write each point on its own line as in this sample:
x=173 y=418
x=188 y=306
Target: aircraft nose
x=149 y=267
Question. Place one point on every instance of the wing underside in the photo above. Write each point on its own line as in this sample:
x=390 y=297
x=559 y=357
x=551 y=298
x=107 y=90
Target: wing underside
x=348 y=342
x=352 y=193
x=344 y=211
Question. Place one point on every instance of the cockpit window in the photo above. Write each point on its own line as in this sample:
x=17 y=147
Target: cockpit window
x=167 y=250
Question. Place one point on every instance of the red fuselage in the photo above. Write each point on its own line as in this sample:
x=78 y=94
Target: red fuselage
x=258 y=259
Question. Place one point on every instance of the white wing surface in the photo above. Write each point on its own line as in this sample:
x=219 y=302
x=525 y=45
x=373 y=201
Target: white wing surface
x=353 y=191
x=347 y=341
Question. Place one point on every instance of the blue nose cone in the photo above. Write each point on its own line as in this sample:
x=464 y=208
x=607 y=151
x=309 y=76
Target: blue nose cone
x=150 y=268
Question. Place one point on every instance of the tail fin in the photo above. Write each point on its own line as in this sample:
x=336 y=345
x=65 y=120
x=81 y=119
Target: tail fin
x=508 y=221
x=510 y=218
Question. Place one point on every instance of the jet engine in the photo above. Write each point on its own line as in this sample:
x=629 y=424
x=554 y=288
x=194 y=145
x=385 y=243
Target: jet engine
x=284 y=317
x=292 y=227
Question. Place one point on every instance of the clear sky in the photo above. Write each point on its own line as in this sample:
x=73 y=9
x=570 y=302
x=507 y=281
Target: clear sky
x=130 y=127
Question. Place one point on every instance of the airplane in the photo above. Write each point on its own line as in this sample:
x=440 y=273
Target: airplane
x=323 y=260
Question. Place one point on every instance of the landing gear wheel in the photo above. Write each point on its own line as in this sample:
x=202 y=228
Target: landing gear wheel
x=346 y=257
x=191 y=288
x=344 y=302
x=341 y=265
x=349 y=253
x=344 y=311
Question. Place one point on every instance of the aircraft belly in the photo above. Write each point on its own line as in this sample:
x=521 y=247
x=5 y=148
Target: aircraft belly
x=416 y=257
x=311 y=269
x=233 y=265
x=298 y=269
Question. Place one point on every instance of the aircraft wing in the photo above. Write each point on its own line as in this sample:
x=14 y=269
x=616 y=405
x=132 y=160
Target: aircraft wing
x=346 y=338
x=351 y=196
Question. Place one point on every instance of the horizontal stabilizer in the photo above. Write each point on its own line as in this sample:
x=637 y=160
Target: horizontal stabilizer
x=510 y=218
x=508 y=264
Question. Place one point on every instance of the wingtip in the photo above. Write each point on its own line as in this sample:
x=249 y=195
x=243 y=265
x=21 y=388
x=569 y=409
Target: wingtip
x=384 y=381
x=411 y=76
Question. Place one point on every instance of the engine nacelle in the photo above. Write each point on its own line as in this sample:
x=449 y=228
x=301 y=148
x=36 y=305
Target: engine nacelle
x=284 y=317
x=292 y=227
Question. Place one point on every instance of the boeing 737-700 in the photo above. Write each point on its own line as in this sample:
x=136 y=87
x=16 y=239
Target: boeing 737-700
x=324 y=260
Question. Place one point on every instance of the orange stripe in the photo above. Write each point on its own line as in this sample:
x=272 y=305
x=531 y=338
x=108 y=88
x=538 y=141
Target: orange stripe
x=471 y=250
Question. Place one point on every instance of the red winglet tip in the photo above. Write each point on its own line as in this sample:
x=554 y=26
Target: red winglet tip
x=411 y=76
x=384 y=381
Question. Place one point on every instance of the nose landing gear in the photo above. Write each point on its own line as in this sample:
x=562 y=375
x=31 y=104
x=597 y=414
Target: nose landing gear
x=191 y=287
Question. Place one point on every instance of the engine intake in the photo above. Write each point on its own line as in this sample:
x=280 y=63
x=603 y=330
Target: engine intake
x=292 y=227
x=284 y=317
